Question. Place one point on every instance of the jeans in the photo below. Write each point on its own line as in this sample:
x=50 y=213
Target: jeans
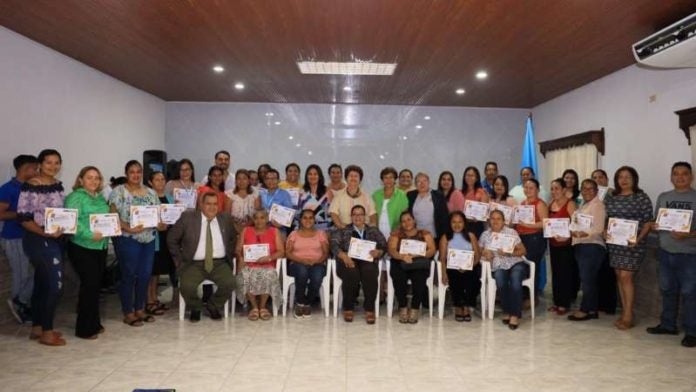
x=306 y=293
x=509 y=283
x=365 y=273
x=400 y=279
x=678 y=277
x=465 y=286
x=89 y=265
x=590 y=258
x=536 y=247
x=135 y=260
x=22 y=271
x=46 y=255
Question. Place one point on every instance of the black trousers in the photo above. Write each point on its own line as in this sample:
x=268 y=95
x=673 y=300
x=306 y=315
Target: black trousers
x=89 y=265
x=564 y=275
x=464 y=286
x=364 y=273
x=400 y=277
x=606 y=290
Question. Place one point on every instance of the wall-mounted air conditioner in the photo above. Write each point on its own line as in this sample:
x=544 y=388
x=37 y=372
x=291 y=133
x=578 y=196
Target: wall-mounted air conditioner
x=672 y=47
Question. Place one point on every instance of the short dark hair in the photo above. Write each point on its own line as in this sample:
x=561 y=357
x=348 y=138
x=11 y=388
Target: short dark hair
x=292 y=164
x=334 y=165
x=681 y=164
x=600 y=171
x=47 y=153
x=356 y=207
x=405 y=171
x=534 y=181
x=527 y=168
x=491 y=163
x=590 y=181
x=222 y=152
x=560 y=182
x=353 y=168
x=274 y=171
x=208 y=194
x=388 y=170
x=24 y=159
x=132 y=163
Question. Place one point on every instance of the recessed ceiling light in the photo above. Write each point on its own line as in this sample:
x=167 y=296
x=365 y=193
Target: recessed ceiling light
x=480 y=75
x=381 y=156
x=347 y=88
x=298 y=145
x=426 y=118
x=419 y=126
x=290 y=137
x=277 y=123
x=346 y=68
x=404 y=137
x=309 y=152
x=269 y=114
x=239 y=86
x=460 y=91
x=219 y=69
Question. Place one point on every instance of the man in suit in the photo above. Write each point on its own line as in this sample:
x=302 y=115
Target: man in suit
x=202 y=244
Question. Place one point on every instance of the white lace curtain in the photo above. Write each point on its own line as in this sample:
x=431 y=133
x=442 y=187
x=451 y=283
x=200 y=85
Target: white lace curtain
x=582 y=159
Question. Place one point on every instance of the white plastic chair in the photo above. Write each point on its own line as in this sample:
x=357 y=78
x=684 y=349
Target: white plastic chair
x=492 y=288
x=390 y=287
x=442 y=291
x=337 y=283
x=289 y=289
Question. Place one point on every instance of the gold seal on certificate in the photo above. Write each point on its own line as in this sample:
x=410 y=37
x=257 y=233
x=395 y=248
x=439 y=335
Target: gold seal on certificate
x=671 y=219
x=108 y=225
x=557 y=227
x=255 y=252
x=360 y=249
x=170 y=213
x=412 y=247
x=476 y=210
x=502 y=242
x=60 y=219
x=187 y=197
x=621 y=231
x=147 y=216
x=581 y=222
x=505 y=209
x=460 y=259
x=524 y=214
x=282 y=215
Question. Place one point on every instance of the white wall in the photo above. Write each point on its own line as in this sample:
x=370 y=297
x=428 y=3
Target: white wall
x=48 y=100
x=368 y=135
x=638 y=132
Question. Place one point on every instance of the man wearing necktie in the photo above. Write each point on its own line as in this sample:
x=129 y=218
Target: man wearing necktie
x=202 y=244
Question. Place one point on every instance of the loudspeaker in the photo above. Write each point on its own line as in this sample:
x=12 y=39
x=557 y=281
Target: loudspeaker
x=154 y=161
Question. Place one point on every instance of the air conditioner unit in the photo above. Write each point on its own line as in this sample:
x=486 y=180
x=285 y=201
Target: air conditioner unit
x=672 y=47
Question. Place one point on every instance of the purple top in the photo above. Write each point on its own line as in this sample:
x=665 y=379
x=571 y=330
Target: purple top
x=34 y=199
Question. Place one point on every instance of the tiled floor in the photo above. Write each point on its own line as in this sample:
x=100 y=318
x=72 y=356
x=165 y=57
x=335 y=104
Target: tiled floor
x=320 y=354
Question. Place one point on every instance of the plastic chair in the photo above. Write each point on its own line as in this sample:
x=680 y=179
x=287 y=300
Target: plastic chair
x=390 y=287
x=288 y=284
x=182 y=303
x=442 y=291
x=492 y=288
x=337 y=283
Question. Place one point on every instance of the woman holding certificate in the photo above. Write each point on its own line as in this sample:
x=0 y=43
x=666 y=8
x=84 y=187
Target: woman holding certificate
x=184 y=189
x=502 y=200
x=87 y=247
x=529 y=217
x=411 y=252
x=42 y=244
x=138 y=209
x=564 y=269
x=216 y=184
x=163 y=263
x=453 y=196
x=292 y=183
x=629 y=211
x=243 y=199
x=461 y=270
x=473 y=191
x=501 y=246
x=261 y=246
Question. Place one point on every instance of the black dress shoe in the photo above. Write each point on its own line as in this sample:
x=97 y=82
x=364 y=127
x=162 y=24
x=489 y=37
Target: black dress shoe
x=587 y=316
x=214 y=313
x=195 y=316
x=660 y=330
x=689 y=341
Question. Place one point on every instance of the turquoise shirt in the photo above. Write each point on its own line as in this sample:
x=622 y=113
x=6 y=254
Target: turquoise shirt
x=86 y=204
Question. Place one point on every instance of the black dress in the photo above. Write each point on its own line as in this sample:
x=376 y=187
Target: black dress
x=164 y=265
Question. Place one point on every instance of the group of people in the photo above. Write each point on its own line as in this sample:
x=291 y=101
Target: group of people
x=228 y=234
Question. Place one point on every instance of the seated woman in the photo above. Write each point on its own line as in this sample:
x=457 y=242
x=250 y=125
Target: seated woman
x=355 y=272
x=464 y=284
x=307 y=250
x=258 y=277
x=509 y=269
x=411 y=267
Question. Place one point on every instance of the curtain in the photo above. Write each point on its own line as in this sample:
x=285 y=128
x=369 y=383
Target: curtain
x=582 y=159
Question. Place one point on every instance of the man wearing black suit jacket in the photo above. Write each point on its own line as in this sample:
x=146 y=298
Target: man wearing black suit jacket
x=202 y=244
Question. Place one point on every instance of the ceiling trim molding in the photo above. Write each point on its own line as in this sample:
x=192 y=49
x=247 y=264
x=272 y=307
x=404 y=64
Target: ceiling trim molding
x=589 y=137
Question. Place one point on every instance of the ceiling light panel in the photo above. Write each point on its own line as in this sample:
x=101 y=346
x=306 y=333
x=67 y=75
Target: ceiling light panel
x=343 y=68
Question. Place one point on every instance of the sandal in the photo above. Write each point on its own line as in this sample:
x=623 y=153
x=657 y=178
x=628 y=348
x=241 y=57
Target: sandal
x=403 y=315
x=154 y=309
x=134 y=322
x=253 y=315
x=147 y=319
x=458 y=316
x=265 y=314
x=163 y=306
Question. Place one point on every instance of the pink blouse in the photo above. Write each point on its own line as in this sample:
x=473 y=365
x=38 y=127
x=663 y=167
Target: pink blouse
x=308 y=247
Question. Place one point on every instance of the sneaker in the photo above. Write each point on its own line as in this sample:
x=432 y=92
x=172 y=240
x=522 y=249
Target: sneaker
x=660 y=330
x=307 y=311
x=15 y=309
x=689 y=341
x=299 y=313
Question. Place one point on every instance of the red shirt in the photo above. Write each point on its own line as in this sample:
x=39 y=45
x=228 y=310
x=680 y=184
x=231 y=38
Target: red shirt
x=561 y=213
x=250 y=237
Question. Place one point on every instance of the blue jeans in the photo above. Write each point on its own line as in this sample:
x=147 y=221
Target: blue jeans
x=590 y=258
x=22 y=271
x=306 y=293
x=46 y=255
x=135 y=261
x=678 y=277
x=509 y=283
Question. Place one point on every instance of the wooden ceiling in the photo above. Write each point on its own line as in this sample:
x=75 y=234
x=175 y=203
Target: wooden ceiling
x=533 y=50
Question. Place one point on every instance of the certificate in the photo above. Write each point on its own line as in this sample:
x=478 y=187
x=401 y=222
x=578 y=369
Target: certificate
x=294 y=195
x=621 y=231
x=108 y=225
x=503 y=242
x=282 y=215
x=581 y=222
x=460 y=259
x=255 y=252
x=170 y=213
x=524 y=214
x=187 y=197
x=412 y=247
x=505 y=209
x=557 y=227
x=671 y=219
x=476 y=210
x=147 y=216
x=602 y=192
x=360 y=249
x=60 y=219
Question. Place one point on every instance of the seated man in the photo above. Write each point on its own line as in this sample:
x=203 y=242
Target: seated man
x=202 y=244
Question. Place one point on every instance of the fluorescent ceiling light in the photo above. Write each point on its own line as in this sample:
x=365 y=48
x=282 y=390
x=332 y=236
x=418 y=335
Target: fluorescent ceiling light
x=419 y=126
x=290 y=137
x=426 y=118
x=219 y=68
x=480 y=75
x=345 y=68
x=239 y=86
x=460 y=91
x=277 y=123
